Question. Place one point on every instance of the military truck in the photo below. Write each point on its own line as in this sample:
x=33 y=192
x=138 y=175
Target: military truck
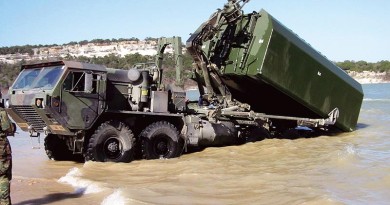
x=255 y=77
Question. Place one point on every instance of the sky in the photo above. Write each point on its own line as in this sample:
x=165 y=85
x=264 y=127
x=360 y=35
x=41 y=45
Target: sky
x=339 y=29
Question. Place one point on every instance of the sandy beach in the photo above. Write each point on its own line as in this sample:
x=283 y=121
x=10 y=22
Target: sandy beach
x=38 y=191
x=26 y=191
x=35 y=177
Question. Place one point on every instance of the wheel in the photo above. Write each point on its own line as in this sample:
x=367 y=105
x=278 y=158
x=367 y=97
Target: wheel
x=112 y=141
x=161 y=140
x=56 y=148
x=257 y=134
x=291 y=134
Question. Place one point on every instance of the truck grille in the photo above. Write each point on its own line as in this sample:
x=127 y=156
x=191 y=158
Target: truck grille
x=29 y=114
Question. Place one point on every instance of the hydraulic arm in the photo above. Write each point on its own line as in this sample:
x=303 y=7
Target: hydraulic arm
x=206 y=35
x=178 y=58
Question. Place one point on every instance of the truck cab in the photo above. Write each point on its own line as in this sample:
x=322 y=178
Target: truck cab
x=98 y=113
x=57 y=97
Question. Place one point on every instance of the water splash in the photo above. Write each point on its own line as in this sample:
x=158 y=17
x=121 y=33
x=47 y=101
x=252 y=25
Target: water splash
x=82 y=186
x=115 y=198
x=348 y=155
x=350 y=150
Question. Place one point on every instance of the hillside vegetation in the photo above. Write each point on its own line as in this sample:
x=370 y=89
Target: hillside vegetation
x=360 y=66
x=8 y=72
x=29 y=48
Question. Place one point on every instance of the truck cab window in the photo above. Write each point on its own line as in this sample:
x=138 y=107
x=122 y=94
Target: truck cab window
x=39 y=78
x=81 y=82
x=74 y=82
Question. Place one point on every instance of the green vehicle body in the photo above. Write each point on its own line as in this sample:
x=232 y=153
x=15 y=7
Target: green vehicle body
x=300 y=73
x=256 y=80
x=278 y=73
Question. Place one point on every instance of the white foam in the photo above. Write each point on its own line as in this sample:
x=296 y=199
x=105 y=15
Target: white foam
x=74 y=178
x=349 y=153
x=350 y=150
x=115 y=198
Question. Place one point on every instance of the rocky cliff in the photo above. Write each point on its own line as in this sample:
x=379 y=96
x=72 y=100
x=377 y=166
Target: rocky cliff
x=366 y=77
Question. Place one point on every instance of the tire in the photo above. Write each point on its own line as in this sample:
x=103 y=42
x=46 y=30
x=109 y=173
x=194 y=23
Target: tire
x=56 y=148
x=291 y=134
x=113 y=141
x=257 y=134
x=161 y=140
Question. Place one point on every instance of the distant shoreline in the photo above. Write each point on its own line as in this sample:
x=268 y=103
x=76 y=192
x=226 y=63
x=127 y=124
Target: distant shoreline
x=370 y=77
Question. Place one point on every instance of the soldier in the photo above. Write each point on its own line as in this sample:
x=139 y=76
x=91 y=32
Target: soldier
x=6 y=128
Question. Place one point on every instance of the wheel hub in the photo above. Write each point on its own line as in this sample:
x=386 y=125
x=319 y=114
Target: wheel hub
x=162 y=147
x=112 y=148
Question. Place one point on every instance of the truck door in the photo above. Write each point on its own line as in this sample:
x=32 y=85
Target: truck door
x=82 y=98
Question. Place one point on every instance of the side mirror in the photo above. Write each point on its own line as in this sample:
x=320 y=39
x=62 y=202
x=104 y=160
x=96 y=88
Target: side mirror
x=14 y=129
x=11 y=131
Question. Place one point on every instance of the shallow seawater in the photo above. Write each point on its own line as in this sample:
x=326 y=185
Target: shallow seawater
x=350 y=168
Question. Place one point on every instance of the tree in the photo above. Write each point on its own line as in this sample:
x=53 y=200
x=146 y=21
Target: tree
x=150 y=39
x=84 y=42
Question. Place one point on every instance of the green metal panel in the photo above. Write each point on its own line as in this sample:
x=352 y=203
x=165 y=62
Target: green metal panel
x=291 y=76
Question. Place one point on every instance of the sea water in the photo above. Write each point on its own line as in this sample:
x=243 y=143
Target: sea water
x=350 y=168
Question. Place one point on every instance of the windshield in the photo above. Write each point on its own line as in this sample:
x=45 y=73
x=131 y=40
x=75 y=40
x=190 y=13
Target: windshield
x=44 y=78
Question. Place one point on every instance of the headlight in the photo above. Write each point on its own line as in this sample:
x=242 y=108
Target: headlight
x=6 y=104
x=39 y=103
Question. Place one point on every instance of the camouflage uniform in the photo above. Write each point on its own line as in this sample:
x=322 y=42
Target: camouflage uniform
x=5 y=158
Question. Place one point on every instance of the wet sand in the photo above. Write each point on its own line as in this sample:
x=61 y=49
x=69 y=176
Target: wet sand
x=35 y=177
x=48 y=191
x=34 y=191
